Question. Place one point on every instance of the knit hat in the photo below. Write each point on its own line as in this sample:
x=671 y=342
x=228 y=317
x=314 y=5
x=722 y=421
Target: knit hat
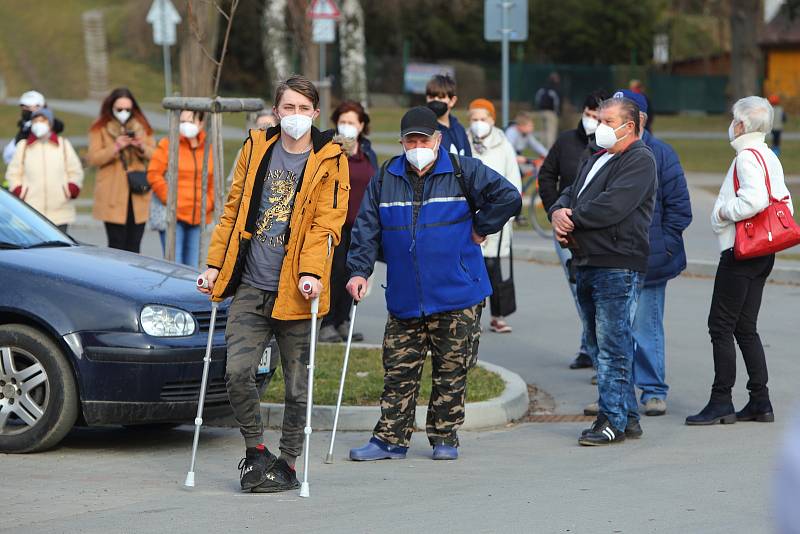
x=32 y=98
x=482 y=103
x=43 y=112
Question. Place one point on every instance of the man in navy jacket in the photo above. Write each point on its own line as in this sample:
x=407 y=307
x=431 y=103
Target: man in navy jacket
x=671 y=216
x=428 y=218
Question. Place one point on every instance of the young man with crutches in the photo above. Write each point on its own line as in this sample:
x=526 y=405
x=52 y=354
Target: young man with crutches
x=428 y=212
x=272 y=252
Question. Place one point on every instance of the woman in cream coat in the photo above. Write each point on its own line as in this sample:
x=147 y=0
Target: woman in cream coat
x=739 y=284
x=489 y=144
x=46 y=172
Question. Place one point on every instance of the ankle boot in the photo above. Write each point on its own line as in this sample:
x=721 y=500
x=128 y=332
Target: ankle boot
x=713 y=413
x=757 y=410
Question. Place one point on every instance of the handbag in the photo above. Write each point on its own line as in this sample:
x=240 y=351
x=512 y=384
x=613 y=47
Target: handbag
x=503 y=300
x=157 y=218
x=771 y=230
x=137 y=180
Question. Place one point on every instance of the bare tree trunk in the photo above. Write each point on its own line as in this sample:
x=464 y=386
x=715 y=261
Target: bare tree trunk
x=197 y=68
x=352 y=45
x=274 y=40
x=301 y=33
x=745 y=53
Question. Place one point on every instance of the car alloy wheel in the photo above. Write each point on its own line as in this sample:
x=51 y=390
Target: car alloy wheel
x=24 y=390
x=40 y=400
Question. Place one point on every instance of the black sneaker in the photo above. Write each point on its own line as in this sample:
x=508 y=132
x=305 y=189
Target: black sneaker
x=633 y=429
x=601 y=433
x=254 y=467
x=280 y=478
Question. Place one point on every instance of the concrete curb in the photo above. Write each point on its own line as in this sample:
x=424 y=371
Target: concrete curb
x=510 y=405
x=781 y=273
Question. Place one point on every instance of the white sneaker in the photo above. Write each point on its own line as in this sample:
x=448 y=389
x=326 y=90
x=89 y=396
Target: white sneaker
x=655 y=406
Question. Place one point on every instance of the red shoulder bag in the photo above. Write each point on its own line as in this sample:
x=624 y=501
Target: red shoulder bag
x=771 y=230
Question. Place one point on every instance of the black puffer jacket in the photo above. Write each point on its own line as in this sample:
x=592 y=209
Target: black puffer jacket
x=612 y=216
x=562 y=163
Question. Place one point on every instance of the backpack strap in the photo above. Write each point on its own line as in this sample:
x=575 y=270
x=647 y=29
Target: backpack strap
x=461 y=182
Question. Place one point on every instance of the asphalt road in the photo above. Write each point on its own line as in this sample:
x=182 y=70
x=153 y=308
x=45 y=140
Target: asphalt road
x=524 y=478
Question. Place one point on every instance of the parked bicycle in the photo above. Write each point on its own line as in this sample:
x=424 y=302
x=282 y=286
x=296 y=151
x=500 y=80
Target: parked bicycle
x=530 y=190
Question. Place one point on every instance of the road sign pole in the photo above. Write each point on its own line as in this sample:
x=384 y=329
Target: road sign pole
x=506 y=6
x=323 y=112
x=167 y=71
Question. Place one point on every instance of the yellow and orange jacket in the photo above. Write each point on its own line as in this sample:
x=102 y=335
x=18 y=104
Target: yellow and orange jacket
x=315 y=226
x=190 y=178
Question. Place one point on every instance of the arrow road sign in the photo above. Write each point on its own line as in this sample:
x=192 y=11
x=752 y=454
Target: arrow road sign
x=164 y=17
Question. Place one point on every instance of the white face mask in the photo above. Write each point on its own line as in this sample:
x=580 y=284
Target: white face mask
x=480 y=128
x=296 y=126
x=40 y=129
x=605 y=136
x=347 y=130
x=420 y=157
x=189 y=130
x=589 y=124
x=731 y=133
x=122 y=116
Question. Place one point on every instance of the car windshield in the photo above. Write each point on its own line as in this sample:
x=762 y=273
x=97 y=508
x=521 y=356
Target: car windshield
x=23 y=227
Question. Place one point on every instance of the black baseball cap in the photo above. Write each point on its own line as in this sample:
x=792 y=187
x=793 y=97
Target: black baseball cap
x=418 y=120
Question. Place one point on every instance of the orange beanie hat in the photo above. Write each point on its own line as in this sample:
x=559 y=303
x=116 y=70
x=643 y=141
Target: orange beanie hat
x=482 y=103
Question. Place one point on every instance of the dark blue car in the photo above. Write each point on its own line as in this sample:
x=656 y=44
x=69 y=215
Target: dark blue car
x=95 y=336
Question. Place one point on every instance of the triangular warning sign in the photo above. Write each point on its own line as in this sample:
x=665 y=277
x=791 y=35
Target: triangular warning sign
x=324 y=9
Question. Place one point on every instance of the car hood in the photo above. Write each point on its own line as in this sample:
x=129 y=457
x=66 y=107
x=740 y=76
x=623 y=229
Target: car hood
x=92 y=288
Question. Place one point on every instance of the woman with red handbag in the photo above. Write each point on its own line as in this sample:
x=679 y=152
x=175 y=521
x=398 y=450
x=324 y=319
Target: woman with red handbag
x=752 y=218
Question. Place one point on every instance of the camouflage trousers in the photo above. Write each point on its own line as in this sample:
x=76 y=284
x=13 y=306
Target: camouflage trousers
x=406 y=343
x=248 y=332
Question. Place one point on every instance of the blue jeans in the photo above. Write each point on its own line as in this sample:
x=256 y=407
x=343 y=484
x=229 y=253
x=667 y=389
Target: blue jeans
x=187 y=243
x=608 y=300
x=649 y=373
x=564 y=255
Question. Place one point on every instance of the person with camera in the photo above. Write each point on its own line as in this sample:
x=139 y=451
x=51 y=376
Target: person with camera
x=120 y=144
x=190 y=186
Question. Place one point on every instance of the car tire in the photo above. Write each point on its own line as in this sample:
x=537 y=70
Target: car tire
x=60 y=399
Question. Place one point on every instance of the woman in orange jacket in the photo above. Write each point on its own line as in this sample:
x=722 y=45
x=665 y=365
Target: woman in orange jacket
x=190 y=193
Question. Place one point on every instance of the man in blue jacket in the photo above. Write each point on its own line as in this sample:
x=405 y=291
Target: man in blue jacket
x=428 y=211
x=671 y=216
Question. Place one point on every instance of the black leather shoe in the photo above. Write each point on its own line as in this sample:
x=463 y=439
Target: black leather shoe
x=582 y=361
x=760 y=411
x=633 y=429
x=714 y=413
x=601 y=434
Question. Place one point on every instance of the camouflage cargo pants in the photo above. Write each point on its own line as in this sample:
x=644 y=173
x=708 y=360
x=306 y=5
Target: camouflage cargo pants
x=250 y=328
x=448 y=336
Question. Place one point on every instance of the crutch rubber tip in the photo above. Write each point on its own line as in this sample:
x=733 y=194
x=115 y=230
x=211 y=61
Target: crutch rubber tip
x=304 y=489
x=329 y=459
x=189 y=479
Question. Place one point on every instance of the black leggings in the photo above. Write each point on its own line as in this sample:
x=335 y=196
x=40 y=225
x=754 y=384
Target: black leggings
x=126 y=236
x=735 y=304
x=340 y=275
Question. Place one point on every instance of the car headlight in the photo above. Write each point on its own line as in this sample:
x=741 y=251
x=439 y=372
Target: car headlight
x=164 y=321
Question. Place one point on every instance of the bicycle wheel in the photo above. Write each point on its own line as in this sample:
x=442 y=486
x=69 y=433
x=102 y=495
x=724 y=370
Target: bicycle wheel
x=538 y=216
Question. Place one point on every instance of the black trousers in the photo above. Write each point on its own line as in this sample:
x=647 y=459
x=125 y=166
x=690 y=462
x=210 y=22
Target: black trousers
x=126 y=236
x=738 y=288
x=340 y=275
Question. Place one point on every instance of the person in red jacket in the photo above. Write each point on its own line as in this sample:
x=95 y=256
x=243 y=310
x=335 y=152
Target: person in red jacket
x=190 y=170
x=352 y=126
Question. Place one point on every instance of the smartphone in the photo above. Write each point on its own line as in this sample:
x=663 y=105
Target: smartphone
x=130 y=133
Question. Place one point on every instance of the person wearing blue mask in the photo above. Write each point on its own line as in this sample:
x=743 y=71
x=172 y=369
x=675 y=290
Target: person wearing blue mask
x=427 y=211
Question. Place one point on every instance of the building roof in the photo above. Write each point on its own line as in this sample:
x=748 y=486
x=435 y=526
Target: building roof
x=783 y=29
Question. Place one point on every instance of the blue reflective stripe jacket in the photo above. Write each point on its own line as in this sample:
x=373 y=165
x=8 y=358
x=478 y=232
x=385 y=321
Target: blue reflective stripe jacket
x=433 y=266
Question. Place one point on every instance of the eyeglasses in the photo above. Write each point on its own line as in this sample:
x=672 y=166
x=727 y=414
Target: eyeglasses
x=120 y=110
